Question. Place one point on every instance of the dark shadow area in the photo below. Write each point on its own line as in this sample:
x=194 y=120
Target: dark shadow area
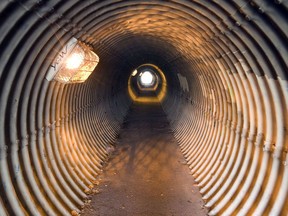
x=146 y=174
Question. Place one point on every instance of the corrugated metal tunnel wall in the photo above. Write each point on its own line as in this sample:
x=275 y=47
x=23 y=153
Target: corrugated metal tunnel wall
x=227 y=96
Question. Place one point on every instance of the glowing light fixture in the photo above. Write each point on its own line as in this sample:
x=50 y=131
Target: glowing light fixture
x=134 y=73
x=74 y=61
x=146 y=78
x=73 y=64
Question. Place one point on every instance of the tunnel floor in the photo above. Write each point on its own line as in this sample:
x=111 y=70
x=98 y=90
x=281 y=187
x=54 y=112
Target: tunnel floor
x=146 y=173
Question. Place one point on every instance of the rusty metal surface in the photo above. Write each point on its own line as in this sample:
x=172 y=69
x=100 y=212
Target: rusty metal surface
x=230 y=120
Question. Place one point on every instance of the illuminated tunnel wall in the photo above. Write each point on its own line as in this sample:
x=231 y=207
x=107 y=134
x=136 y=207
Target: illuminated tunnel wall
x=227 y=96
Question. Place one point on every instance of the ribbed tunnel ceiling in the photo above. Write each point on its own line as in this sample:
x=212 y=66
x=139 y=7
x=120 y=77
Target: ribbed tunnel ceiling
x=226 y=68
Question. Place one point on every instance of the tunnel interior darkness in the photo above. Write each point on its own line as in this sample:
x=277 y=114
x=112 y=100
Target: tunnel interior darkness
x=225 y=94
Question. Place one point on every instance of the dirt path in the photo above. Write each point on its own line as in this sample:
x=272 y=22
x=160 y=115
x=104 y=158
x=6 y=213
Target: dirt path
x=147 y=174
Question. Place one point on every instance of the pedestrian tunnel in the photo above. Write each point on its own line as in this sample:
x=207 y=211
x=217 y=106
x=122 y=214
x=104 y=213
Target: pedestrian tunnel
x=218 y=69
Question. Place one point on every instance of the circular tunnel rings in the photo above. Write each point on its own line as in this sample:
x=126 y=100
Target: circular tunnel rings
x=147 y=84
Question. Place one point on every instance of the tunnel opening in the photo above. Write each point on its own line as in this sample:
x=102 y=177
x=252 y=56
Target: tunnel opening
x=151 y=91
x=147 y=79
x=222 y=69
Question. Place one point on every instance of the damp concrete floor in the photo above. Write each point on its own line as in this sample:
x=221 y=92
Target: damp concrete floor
x=146 y=174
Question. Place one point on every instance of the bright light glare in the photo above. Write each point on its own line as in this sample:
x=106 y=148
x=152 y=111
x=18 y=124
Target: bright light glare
x=134 y=73
x=74 y=61
x=73 y=64
x=146 y=78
